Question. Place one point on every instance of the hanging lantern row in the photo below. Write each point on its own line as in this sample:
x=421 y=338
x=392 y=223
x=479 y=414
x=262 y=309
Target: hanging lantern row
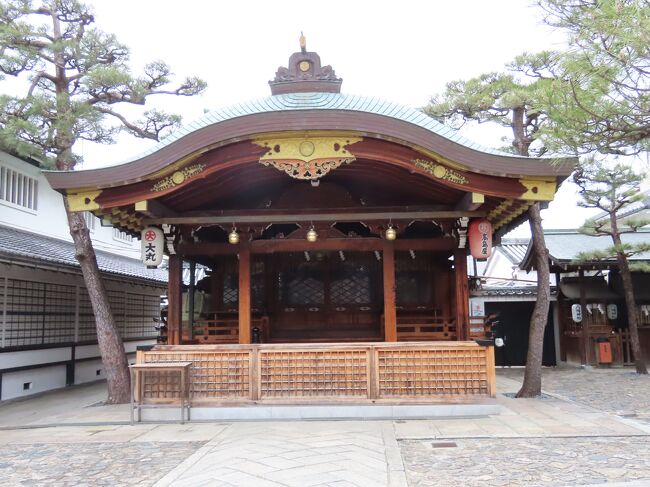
x=312 y=235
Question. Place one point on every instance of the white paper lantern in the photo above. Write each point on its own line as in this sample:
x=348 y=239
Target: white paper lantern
x=153 y=246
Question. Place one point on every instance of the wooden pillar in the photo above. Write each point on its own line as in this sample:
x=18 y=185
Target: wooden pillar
x=584 y=336
x=174 y=300
x=462 y=294
x=245 y=295
x=390 y=312
x=190 y=301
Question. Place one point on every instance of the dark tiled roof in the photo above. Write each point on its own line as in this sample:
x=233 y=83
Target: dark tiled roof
x=34 y=247
x=565 y=245
x=519 y=291
x=514 y=249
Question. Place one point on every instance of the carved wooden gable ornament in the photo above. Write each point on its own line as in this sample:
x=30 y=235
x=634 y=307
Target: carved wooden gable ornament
x=304 y=74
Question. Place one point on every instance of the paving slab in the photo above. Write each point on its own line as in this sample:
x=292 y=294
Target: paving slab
x=568 y=437
x=297 y=453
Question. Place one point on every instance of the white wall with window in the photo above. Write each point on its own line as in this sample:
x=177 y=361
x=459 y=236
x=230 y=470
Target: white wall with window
x=27 y=202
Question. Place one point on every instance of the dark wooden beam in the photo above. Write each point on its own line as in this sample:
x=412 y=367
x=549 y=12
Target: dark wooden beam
x=390 y=311
x=292 y=216
x=470 y=202
x=300 y=245
x=154 y=209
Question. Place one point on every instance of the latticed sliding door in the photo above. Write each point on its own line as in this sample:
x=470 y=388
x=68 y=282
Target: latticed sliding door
x=423 y=297
x=326 y=296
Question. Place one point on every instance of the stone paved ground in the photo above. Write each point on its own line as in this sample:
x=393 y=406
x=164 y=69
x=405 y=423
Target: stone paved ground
x=615 y=390
x=295 y=454
x=533 y=442
x=532 y=462
x=90 y=464
x=545 y=462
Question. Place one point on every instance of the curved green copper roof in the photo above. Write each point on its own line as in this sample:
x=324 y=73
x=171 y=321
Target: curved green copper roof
x=322 y=101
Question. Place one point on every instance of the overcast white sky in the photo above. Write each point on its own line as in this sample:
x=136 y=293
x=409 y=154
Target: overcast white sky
x=401 y=51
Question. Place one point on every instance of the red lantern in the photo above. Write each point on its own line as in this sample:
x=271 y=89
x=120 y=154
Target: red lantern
x=480 y=238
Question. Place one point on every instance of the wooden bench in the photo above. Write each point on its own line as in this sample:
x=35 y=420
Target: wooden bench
x=138 y=372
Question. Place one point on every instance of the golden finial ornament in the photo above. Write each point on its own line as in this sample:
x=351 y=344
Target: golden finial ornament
x=303 y=42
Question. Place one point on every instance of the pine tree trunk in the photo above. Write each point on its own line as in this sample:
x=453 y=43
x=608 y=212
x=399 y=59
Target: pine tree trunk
x=108 y=337
x=532 y=385
x=630 y=303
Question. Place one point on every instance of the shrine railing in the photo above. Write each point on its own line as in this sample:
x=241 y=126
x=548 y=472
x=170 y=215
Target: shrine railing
x=422 y=372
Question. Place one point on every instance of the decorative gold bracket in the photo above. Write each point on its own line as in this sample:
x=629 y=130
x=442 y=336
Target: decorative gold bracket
x=307 y=158
x=84 y=201
x=538 y=189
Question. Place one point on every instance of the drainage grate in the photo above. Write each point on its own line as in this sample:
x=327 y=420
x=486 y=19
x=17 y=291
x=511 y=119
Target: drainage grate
x=444 y=444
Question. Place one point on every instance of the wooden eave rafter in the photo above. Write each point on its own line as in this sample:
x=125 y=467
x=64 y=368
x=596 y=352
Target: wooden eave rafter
x=250 y=153
x=369 y=125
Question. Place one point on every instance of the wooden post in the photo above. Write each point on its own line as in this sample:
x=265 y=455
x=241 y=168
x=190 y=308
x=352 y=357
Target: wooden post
x=584 y=337
x=491 y=372
x=245 y=295
x=190 y=301
x=390 y=312
x=462 y=294
x=254 y=372
x=174 y=300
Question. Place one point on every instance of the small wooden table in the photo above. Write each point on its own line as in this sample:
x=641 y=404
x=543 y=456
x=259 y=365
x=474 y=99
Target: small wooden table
x=137 y=380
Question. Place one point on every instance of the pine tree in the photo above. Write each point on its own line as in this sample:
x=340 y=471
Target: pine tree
x=612 y=188
x=510 y=102
x=77 y=79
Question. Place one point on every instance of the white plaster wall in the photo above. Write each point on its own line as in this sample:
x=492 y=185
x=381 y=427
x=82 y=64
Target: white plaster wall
x=10 y=360
x=50 y=218
x=42 y=379
x=130 y=347
x=87 y=351
x=86 y=371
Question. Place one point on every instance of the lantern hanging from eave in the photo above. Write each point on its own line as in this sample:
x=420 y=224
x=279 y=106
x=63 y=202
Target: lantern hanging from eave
x=153 y=246
x=480 y=238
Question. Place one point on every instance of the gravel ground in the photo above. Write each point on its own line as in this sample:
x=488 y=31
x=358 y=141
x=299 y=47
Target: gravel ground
x=527 y=462
x=615 y=390
x=90 y=464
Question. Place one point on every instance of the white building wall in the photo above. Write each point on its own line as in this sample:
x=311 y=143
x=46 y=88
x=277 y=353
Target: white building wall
x=88 y=371
x=26 y=382
x=50 y=219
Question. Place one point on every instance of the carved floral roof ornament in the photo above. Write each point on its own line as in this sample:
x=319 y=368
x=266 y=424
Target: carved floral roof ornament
x=307 y=158
x=440 y=172
x=177 y=178
x=304 y=74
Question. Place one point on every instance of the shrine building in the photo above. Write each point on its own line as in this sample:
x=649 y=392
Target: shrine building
x=334 y=232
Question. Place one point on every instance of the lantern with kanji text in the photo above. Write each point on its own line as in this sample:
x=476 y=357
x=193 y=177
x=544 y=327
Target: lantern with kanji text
x=153 y=245
x=480 y=238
